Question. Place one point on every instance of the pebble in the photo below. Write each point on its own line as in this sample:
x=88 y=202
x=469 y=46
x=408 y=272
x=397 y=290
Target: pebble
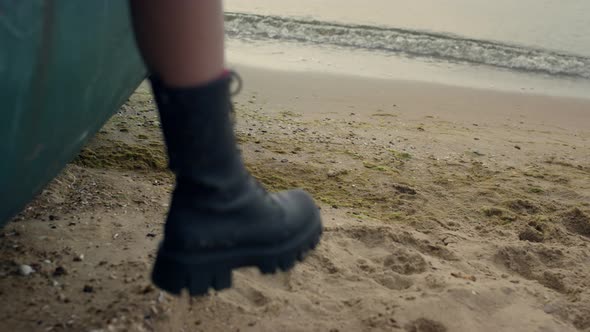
x=59 y=271
x=550 y=308
x=507 y=290
x=25 y=270
x=161 y=297
x=463 y=276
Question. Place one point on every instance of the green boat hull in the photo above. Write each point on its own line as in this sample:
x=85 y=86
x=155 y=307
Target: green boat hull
x=66 y=67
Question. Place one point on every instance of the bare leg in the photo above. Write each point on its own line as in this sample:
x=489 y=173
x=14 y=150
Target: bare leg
x=181 y=40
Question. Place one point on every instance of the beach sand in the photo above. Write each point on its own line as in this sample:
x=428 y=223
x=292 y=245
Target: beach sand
x=445 y=209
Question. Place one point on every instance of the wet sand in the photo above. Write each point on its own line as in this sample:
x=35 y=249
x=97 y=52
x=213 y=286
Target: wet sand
x=446 y=209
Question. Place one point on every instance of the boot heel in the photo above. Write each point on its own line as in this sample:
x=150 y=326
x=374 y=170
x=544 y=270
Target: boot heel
x=169 y=275
x=172 y=276
x=222 y=279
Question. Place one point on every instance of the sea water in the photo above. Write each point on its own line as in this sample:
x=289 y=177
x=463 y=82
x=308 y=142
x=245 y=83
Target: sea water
x=540 y=45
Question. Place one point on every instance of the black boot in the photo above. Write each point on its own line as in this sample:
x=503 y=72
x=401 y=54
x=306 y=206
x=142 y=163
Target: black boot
x=220 y=218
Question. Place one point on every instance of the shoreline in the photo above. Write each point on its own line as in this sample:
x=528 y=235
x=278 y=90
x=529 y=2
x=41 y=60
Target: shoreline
x=413 y=99
x=314 y=59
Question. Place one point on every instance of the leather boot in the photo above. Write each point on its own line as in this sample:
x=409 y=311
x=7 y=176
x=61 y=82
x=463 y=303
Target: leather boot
x=220 y=218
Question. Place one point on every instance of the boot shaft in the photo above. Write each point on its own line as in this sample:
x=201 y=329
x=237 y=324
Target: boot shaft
x=199 y=136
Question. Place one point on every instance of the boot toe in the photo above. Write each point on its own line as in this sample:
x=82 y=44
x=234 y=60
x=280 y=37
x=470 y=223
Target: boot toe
x=300 y=209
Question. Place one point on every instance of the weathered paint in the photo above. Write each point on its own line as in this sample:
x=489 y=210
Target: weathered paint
x=65 y=68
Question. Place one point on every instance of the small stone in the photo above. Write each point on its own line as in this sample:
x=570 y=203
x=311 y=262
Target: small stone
x=507 y=290
x=62 y=298
x=517 y=147
x=79 y=258
x=550 y=308
x=154 y=310
x=59 y=271
x=532 y=235
x=25 y=270
x=161 y=297
x=464 y=276
x=147 y=289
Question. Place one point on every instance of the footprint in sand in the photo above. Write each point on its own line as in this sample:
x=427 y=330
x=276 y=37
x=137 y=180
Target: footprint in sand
x=254 y=296
x=405 y=262
x=394 y=281
x=577 y=221
x=425 y=325
x=546 y=265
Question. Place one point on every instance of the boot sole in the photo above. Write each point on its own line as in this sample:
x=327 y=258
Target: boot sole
x=174 y=272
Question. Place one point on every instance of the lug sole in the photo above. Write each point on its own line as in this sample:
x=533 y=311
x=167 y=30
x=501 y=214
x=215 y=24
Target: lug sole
x=198 y=273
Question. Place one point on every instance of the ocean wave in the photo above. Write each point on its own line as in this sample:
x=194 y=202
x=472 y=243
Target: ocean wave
x=407 y=42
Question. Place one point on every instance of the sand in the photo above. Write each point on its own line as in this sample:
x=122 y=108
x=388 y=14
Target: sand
x=445 y=208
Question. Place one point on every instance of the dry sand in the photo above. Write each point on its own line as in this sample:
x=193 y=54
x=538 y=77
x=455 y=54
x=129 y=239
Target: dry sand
x=446 y=209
